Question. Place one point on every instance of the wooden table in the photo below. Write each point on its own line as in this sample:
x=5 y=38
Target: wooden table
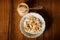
x=9 y=19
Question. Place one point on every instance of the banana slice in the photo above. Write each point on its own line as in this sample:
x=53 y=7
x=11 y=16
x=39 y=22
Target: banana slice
x=22 y=9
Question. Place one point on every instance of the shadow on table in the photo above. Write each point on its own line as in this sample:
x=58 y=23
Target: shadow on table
x=47 y=17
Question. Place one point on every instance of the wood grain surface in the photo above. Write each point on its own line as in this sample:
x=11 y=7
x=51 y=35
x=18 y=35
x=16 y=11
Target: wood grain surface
x=10 y=19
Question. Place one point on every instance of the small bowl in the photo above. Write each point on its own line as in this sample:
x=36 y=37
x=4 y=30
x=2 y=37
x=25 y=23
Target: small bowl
x=22 y=9
x=22 y=26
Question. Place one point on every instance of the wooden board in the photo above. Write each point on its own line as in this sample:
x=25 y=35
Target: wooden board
x=10 y=19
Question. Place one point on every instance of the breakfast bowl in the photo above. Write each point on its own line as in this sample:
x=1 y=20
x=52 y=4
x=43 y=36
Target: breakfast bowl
x=32 y=25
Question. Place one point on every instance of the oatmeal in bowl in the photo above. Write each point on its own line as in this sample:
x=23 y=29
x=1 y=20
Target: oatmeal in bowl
x=32 y=25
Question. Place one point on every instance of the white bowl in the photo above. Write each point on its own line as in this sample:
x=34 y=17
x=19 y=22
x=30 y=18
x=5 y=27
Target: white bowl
x=22 y=27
